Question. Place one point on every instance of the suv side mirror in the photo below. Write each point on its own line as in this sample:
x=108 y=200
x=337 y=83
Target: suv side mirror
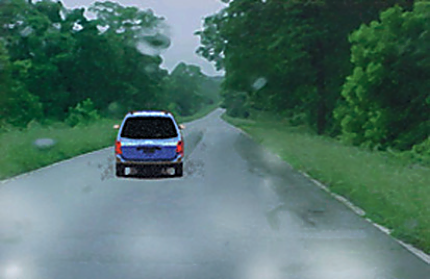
x=116 y=126
x=181 y=126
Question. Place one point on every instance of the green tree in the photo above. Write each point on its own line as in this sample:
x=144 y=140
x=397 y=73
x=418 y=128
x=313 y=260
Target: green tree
x=17 y=105
x=61 y=58
x=56 y=59
x=82 y=114
x=183 y=87
x=134 y=36
x=387 y=103
x=5 y=80
x=299 y=47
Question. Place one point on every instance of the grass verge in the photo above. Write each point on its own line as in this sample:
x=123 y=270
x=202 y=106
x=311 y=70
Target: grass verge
x=393 y=193
x=20 y=155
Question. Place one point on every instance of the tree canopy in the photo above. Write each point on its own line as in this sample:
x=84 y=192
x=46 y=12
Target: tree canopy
x=300 y=48
x=355 y=68
x=387 y=101
x=55 y=62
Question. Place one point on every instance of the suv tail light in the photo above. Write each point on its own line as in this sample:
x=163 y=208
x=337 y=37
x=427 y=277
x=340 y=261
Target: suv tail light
x=118 y=150
x=180 y=148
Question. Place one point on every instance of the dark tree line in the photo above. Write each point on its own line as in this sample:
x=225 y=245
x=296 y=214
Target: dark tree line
x=55 y=62
x=358 y=69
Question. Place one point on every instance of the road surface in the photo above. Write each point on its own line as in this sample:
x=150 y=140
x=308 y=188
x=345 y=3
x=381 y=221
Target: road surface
x=239 y=212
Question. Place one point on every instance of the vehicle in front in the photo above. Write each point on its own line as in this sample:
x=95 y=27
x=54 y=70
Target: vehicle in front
x=149 y=143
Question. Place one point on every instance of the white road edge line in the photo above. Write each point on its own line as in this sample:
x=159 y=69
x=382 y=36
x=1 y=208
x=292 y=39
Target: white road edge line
x=357 y=210
x=241 y=131
x=425 y=257
x=2 y=182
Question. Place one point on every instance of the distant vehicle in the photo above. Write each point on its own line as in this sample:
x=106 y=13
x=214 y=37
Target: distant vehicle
x=149 y=142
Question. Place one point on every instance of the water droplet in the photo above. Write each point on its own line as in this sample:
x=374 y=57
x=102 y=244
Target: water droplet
x=44 y=143
x=154 y=41
x=26 y=31
x=259 y=83
x=153 y=45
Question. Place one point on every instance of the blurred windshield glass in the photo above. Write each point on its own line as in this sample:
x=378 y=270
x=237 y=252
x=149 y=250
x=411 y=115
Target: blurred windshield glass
x=149 y=128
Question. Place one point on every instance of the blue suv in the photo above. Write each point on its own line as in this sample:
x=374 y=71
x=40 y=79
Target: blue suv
x=151 y=142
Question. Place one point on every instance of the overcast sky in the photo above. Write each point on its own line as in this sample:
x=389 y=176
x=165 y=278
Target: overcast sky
x=184 y=17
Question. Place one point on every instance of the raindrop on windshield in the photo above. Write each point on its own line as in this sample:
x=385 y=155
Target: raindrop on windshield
x=44 y=143
x=154 y=41
x=153 y=45
x=26 y=31
x=259 y=83
x=114 y=108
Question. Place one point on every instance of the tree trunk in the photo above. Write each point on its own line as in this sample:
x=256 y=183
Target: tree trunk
x=321 y=115
x=321 y=106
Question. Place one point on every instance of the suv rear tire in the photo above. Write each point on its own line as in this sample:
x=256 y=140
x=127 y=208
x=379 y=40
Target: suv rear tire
x=179 y=170
x=119 y=170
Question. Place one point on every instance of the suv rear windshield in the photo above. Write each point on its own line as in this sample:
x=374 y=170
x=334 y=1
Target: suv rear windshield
x=149 y=128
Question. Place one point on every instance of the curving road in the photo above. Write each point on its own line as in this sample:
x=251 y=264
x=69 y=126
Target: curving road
x=239 y=212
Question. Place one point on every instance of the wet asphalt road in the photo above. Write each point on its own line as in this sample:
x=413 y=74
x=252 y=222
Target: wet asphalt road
x=239 y=212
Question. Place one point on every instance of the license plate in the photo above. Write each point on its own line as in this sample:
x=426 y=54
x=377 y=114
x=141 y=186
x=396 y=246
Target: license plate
x=148 y=150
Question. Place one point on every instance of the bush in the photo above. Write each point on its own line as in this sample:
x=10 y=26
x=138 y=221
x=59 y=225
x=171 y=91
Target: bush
x=422 y=151
x=83 y=114
x=238 y=111
x=21 y=108
x=236 y=103
x=419 y=154
x=298 y=119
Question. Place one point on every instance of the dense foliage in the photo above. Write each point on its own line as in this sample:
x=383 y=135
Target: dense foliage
x=387 y=95
x=190 y=90
x=56 y=64
x=294 y=58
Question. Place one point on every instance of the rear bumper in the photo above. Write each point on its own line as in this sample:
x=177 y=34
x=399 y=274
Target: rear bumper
x=120 y=160
x=153 y=169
